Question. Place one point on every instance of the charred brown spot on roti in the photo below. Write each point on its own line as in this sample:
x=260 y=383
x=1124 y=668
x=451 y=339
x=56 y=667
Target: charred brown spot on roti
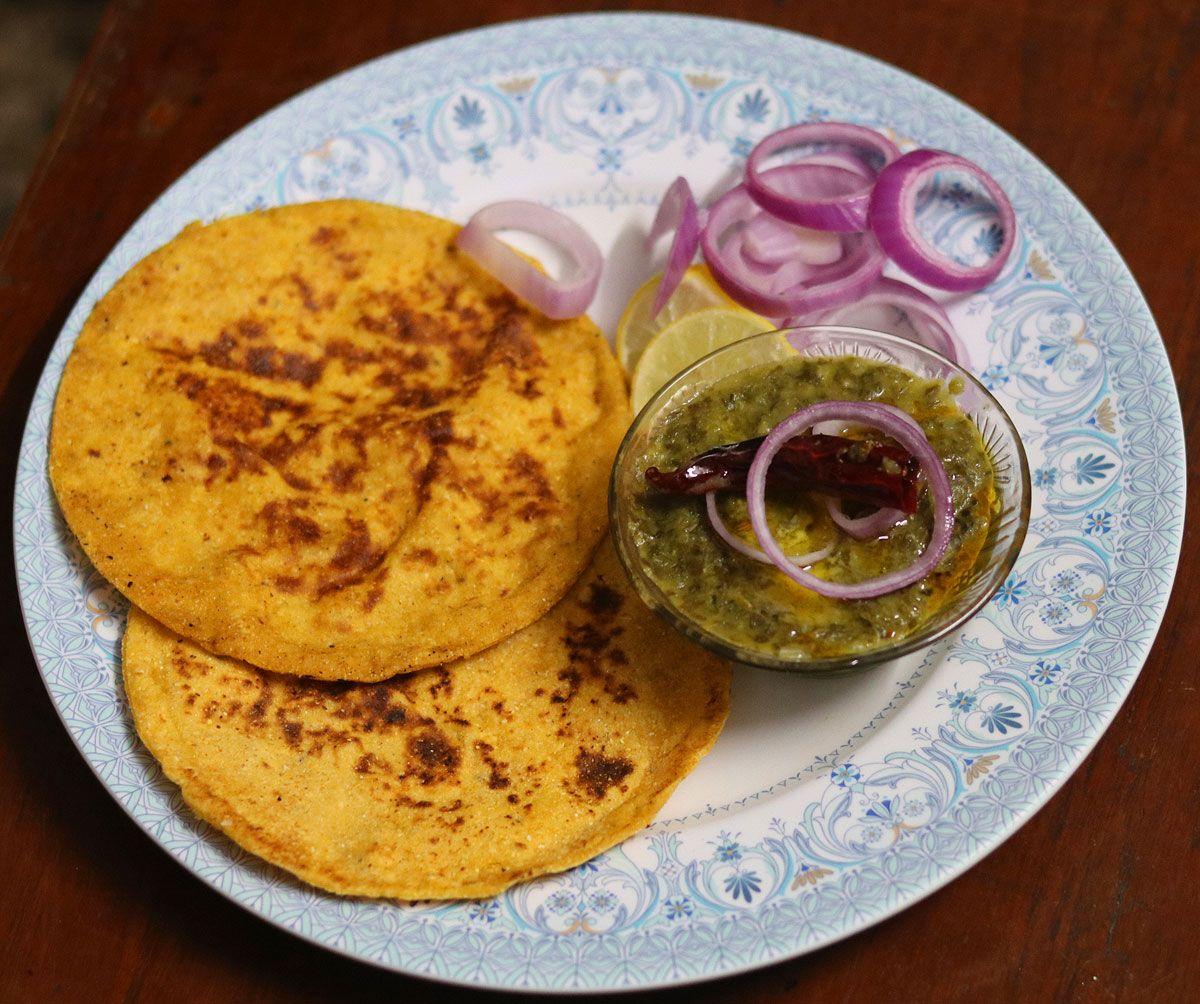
x=272 y=364
x=330 y=239
x=363 y=708
x=350 y=712
x=408 y=802
x=308 y=295
x=388 y=312
x=285 y=524
x=239 y=457
x=292 y=731
x=233 y=409
x=497 y=778
x=438 y=430
x=220 y=352
x=350 y=355
x=181 y=664
x=602 y=601
x=591 y=652
x=355 y=557
x=514 y=345
x=250 y=328
x=227 y=352
x=528 y=389
x=572 y=678
x=530 y=481
x=190 y=384
x=473 y=342
x=441 y=682
x=283 y=447
x=586 y=642
x=595 y=773
x=344 y=476
x=619 y=691
x=374 y=595
x=433 y=757
x=257 y=713
x=415 y=397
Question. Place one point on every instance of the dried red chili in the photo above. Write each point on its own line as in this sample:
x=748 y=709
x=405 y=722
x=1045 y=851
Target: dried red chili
x=875 y=474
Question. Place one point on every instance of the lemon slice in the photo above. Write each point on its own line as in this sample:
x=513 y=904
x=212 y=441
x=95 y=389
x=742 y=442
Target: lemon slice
x=680 y=344
x=638 y=327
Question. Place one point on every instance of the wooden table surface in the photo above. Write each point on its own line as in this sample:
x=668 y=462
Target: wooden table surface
x=1095 y=899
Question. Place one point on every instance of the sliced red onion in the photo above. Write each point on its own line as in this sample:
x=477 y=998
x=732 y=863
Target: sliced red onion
x=893 y=219
x=774 y=279
x=932 y=325
x=843 y=211
x=819 y=176
x=834 y=428
x=867 y=527
x=902 y=428
x=749 y=550
x=556 y=298
x=771 y=241
x=815 y=287
x=666 y=217
x=676 y=211
x=841 y=426
x=847 y=160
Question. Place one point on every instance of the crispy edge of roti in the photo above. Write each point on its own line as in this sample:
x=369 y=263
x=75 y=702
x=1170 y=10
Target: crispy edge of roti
x=632 y=815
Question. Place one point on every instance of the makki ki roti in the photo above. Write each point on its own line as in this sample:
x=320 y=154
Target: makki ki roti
x=320 y=439
x=526 y=759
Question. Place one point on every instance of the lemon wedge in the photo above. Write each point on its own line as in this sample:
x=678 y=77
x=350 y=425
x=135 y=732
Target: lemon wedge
x=638 y=326
x=684 y=341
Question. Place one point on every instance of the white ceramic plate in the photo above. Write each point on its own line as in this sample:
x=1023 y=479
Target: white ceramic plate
x=826 y=805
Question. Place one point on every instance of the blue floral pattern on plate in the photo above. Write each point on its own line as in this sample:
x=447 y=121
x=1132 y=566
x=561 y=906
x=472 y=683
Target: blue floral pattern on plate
x=915 y=792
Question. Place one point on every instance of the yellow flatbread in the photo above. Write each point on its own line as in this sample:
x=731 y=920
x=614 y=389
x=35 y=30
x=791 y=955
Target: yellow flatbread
x=526 y=759
x=320 y=439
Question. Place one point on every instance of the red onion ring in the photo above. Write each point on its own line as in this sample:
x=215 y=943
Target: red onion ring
x=930 y=322
x=902 y=428
x=678 y=211
x=556 y=298
x=770 y=241
x=844 y=211
x=875 y=524
x=739 y=545
x=774 y=278
x=826 y=286
x=892 y=217
x=847 y=160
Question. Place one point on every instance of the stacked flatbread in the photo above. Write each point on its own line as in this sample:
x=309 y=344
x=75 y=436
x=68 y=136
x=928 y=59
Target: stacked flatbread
x=355 y=489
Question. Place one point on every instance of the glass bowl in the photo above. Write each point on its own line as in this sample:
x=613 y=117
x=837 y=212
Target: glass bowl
x=1000 y=437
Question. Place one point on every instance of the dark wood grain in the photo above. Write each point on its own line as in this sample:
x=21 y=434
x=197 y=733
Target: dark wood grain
x=1095 y=899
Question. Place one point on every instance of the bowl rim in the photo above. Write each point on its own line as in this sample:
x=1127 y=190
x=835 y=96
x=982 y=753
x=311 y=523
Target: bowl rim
x=654 y=597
